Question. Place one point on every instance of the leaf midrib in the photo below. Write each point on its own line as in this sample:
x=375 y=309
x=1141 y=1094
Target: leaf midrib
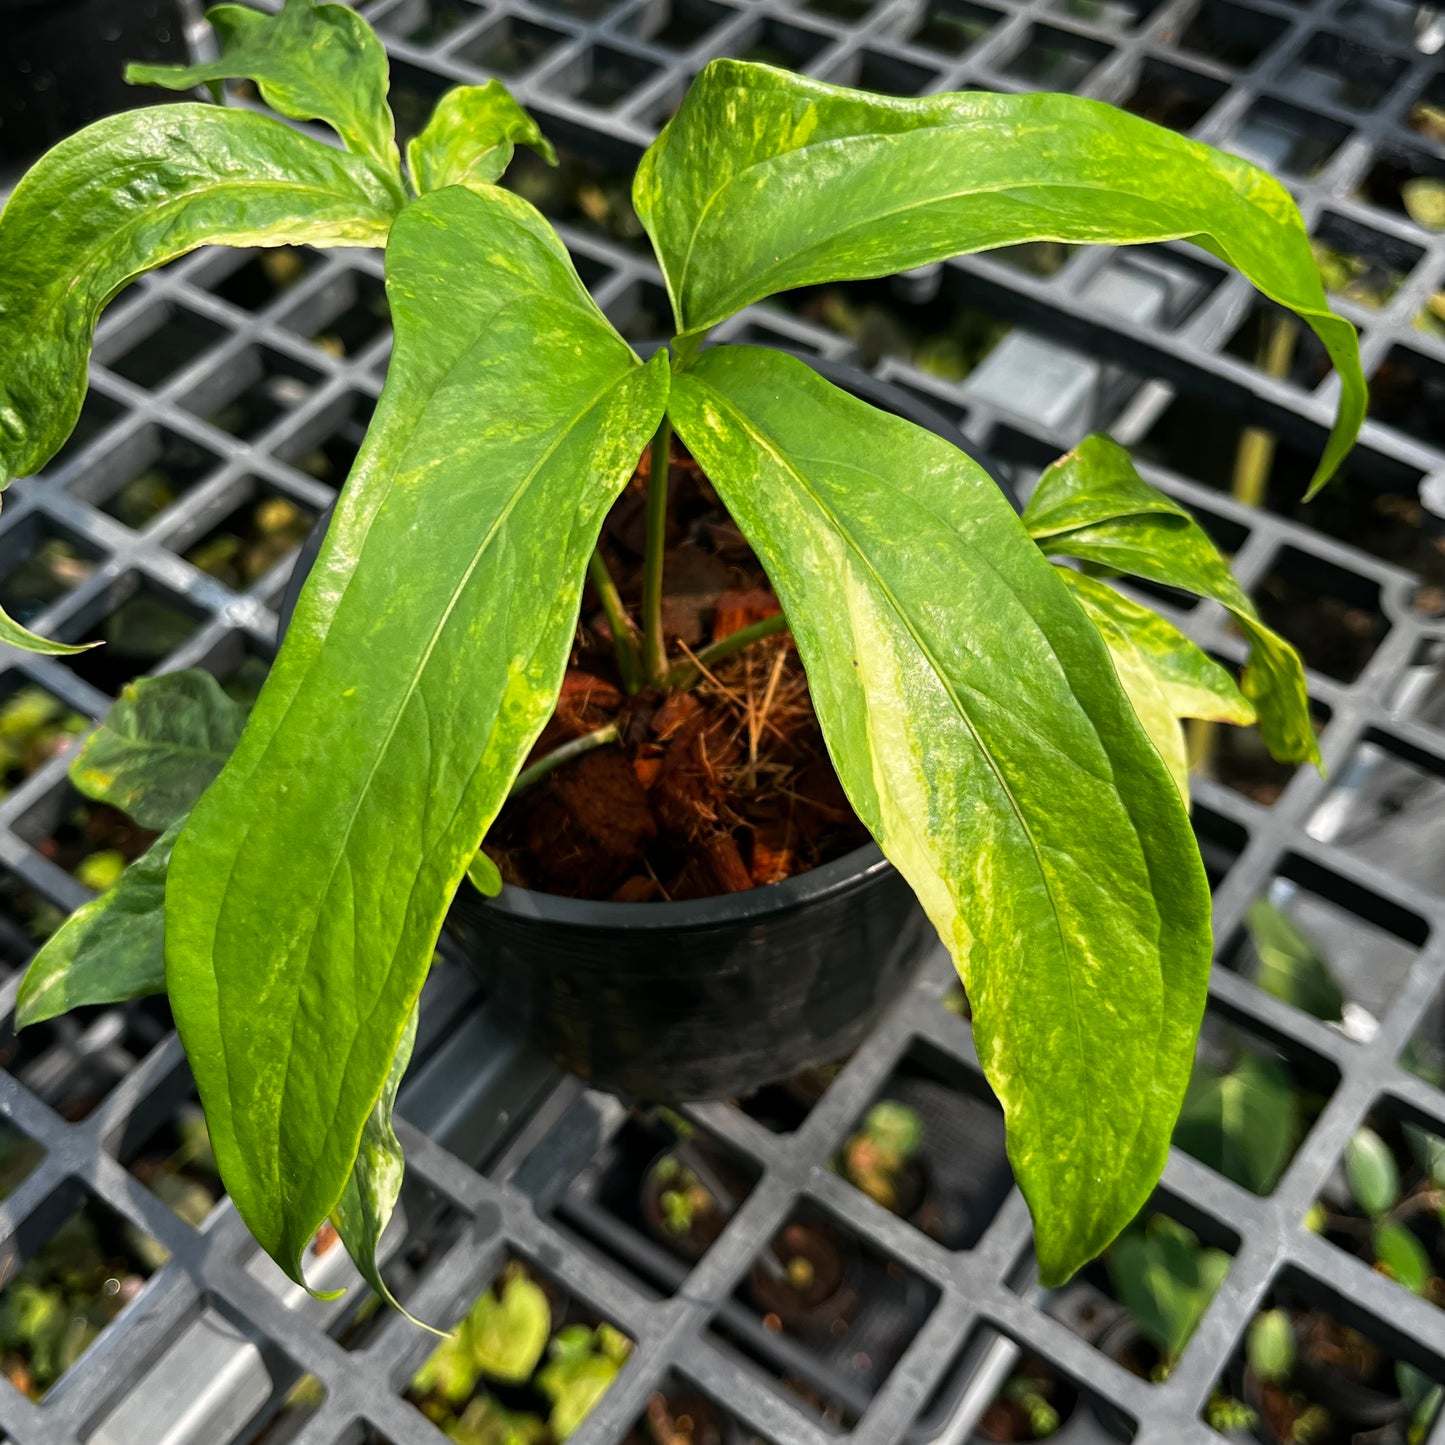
x=139 y=744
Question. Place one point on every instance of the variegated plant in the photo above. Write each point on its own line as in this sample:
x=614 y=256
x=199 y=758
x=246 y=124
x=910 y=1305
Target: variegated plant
x=1007 y=729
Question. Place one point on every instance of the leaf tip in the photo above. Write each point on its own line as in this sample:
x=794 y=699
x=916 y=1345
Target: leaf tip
x=1054 y=1276
x=1059 y=1260
x=28 y=1009
x=293 y=1263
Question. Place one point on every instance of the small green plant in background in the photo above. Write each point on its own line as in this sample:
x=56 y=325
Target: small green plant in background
x=1424 y=201
x=1007 y=729
x=1228 y=1415
x=1374 y=1184
x=55 y=1304
x=1243 y=1122
x=1423 y=1399
x=683 y=1197
x=1356 y=278
x=1272 y=1353
x=185 y=1177
x=1165 y=1278
x=1291 y=966
x=34 y=727
x=507 y=1338
x=1033 y=1403
x=875 y=1158
x=1374 y=1181
x=1269 y=1346
x=1031 y=1395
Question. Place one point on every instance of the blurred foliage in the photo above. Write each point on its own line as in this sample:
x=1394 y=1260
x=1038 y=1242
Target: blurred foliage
x=59 y=1301
x=549 y=1380
x=34 y=727
x=1165 y=1278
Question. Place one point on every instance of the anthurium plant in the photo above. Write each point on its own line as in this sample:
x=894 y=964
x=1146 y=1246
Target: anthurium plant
x=1006 y=728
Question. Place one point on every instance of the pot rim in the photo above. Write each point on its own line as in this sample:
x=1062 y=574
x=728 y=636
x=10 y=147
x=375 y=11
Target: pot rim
x=842 y=875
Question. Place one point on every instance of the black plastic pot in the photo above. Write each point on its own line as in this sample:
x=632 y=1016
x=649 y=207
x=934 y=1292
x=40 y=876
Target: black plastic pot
x=710 y=998
x=62 y=65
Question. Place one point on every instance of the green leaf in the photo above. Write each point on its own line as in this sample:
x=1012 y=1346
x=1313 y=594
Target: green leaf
x=1270 y=1347
x=1096 y=482
x=507 y=1332
x=1166 y=1281
x=1290 y=966
x=485 y=1422
x=1166 y=676
x=130 y=193
x=109 y=950
x=1193 y=684
x=366 y=1204
x=450 y=1371
x=981 y=735
x=1422 y=1397
x=311 y=62
x=1121 y=522
x=1424 y=201
x=894 y=1127
x=766 y=180
x=1371 y=1172
x=1400 y=1254
x=470 y=138
x=1429 y=1149
x=160 y=747
x=1243 y=1124
x=575 y=1381
x=10 y=630
x=424 y=658
x=484 y=875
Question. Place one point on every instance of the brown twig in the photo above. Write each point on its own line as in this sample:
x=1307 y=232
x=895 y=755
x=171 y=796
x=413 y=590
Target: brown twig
x=758 y=718
x=1425 y=1200
x=727 y=692
x=682 y=674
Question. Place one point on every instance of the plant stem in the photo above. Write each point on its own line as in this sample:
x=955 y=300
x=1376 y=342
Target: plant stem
x=685 y=672
x=624 y=644
x=588 y=742
x=685 y=349
x=1255 y=455
x=654 y=647
x=1253 y=462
